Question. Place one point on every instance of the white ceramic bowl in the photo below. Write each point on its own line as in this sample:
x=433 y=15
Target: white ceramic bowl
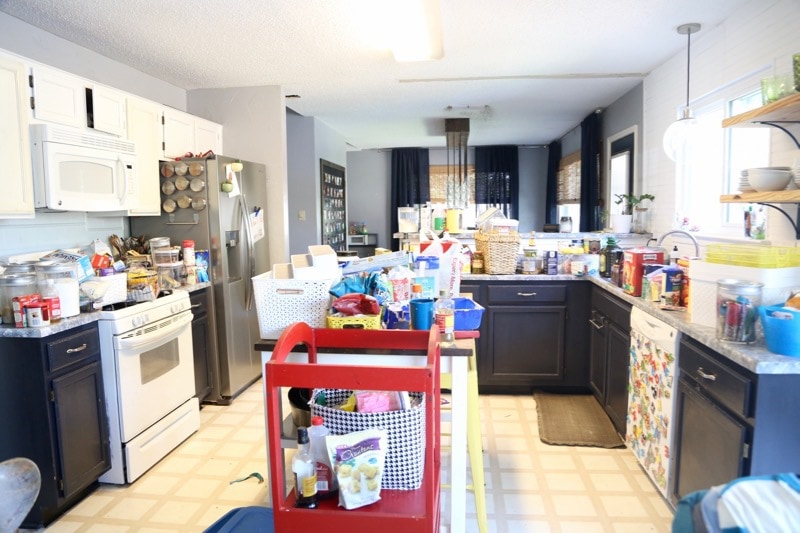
x=764 y=179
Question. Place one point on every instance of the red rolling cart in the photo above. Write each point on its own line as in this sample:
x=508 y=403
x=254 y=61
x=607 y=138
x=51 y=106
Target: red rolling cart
x=398 y=510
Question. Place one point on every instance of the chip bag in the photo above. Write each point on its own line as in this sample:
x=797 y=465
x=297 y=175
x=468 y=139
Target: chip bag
x=358 y=460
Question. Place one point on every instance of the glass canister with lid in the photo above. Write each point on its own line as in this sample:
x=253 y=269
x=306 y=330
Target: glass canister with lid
x=64 y=278
x=737 y=309
x=11 y=286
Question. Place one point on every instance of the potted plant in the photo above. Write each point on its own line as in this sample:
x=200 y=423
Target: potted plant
x=631 y=203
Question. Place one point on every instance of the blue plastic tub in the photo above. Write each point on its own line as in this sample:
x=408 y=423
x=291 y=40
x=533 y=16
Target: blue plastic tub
x=781 y=329
x=252 y=519
x=468 y=314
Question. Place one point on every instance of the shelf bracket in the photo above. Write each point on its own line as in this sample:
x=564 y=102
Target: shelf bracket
x=791 y=221
x=782 y=128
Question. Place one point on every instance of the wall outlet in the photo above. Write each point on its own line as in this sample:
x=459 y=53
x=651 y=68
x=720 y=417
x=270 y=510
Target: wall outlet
x=301 y=215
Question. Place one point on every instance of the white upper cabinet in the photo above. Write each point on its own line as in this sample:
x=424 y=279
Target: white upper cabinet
x=144 y=128
x=185 y=133
x=17 y=198
x=208 y=136
x=108 y=111
x=58 y=97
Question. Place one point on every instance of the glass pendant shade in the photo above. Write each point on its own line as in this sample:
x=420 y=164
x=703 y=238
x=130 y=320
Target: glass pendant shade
x=678 y=134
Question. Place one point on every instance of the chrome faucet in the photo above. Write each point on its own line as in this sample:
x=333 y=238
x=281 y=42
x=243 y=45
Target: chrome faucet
x=691 y=238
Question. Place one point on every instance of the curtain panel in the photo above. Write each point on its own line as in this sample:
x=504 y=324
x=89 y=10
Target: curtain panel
x=590 y=173
x=551 y=200
x=497 y=178
x=410 y=182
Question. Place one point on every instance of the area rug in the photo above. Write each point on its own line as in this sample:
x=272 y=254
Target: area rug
x=574 y=420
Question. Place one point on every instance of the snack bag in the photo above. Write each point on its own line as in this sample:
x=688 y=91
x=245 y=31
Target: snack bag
x=358 y=460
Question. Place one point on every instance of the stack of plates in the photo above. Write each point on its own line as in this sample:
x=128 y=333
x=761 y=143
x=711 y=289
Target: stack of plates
x=744 y=185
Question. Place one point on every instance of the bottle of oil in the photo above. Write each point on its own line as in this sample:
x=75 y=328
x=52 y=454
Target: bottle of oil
x=305 y=474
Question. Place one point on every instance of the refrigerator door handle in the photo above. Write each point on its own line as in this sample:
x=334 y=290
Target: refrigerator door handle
x=251 y=261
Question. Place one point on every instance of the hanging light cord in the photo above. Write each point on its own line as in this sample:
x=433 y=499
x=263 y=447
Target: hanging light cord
x=688 y=63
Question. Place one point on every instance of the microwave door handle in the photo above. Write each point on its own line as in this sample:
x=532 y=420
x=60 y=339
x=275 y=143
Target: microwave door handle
x=123 y=175
x=251 y=262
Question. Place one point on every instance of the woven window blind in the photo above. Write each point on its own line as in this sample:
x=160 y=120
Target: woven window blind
x=569 y=179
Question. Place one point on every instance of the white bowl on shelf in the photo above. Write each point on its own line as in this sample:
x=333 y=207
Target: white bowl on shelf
x=769 y=179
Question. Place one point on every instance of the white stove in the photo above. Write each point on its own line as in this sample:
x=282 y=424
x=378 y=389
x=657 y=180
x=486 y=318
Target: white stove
x=148 y=375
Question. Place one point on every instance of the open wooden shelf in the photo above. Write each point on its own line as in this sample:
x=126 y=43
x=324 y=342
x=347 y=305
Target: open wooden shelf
x=786 y=109
x=778 y=197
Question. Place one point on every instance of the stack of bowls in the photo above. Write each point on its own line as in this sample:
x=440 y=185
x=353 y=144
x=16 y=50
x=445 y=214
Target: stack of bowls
x=769 y=178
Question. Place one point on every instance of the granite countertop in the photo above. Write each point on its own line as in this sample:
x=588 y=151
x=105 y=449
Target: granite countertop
x=754 y=357
x=69 y=323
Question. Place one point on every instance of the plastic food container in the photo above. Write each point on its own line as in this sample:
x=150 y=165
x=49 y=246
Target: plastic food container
x=166 y=256
x=781 y=329
x=468 y=314
x=737 y=304
x=170 y=276
x=64 y=277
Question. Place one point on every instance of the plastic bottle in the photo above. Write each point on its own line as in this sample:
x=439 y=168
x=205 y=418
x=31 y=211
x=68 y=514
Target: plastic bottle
x=188 y=253
x=437 y=219
x=445 y=313
x=673 y=257
x=416 y=291
x=326 y=480
x=305 y=477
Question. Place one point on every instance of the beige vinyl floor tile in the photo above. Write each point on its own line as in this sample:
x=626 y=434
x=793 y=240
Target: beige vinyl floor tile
x=530 y=486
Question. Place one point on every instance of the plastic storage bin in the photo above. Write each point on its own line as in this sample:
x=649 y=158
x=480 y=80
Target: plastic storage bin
x=781 y=329
x=468 y=314
x=280 y=302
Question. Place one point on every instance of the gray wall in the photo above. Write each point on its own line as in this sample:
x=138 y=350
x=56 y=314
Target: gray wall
x=532 y=187
x=308 y=141
x=626 y=112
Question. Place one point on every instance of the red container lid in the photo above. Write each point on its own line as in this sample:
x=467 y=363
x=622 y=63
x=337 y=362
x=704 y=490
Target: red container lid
x=188 y=244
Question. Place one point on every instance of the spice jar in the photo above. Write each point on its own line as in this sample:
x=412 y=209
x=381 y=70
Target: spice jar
x=737 y=308
x=477 y=263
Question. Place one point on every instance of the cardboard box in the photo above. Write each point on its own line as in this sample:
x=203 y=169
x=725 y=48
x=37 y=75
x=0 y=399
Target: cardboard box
x=551 y=262
x=323 y=256
x=633 y=267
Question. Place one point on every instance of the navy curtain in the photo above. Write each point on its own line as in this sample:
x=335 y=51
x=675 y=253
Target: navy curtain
x=410 y=182
x=590 y=173
x=497 y=178
x=551 y=201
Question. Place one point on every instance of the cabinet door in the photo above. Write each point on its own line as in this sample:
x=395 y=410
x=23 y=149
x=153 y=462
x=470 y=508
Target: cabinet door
x=710 y=445
x=178 y=133
x=207 y=136
x=598 y=341
x=59 y=97
x=617 y=365
x=82 y=427
x=108 y=110
x=526 y=346
x=144 y=128
x=17 y=198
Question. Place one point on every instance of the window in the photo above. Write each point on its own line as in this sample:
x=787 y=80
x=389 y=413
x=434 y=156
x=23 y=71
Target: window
x=714 y=160
x=568 y=191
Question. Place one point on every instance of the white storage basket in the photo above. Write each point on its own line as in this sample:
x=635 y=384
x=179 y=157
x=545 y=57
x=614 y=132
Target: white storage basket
x=281 y=302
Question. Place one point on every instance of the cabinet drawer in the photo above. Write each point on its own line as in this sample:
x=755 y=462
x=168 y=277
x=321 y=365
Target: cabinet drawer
x=616 y=310
x=526 y=294
x=728 y=386
x=72 y=348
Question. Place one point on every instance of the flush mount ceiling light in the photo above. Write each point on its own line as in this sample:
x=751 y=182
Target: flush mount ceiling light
x=680 y=131
x=416 y=30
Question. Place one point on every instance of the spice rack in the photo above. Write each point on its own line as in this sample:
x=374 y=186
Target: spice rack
x=400 y=510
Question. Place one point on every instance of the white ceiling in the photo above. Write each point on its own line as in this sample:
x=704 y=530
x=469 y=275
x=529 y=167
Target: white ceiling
x=525 y=59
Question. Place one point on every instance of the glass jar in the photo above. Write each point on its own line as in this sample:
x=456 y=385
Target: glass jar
x=737 y=309
x=25 y=267
x=64 y=277
x=565 y=225
x=11 y=286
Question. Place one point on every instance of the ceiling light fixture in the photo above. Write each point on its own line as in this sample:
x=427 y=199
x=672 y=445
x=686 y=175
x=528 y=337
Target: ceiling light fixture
x=456 y=131
x=680 y=131
x=416 y=30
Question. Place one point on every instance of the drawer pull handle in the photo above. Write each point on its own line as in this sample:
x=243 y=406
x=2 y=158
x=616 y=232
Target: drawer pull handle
x=596 y=325
x=526 y=294
x=702 y=374
x=195 y=306
x=80 y=348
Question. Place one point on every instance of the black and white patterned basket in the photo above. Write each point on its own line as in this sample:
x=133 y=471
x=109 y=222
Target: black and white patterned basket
x=405 y=458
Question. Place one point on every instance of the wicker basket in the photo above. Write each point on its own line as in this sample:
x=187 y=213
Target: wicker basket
x=499 y=251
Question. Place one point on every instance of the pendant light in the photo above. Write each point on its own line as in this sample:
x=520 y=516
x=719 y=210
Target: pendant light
x=680 y=131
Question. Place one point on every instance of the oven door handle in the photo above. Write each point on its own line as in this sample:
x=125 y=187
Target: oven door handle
x=155 y=338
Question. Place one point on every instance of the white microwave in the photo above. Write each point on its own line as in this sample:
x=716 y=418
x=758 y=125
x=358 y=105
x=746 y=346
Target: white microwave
x=75 y=170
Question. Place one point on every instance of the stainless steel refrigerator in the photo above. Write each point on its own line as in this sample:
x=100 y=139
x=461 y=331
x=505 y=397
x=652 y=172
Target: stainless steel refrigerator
x=218 y=203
